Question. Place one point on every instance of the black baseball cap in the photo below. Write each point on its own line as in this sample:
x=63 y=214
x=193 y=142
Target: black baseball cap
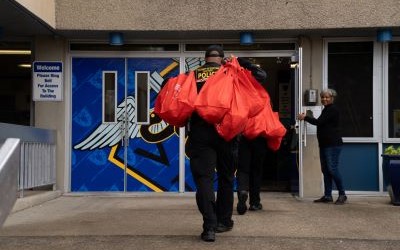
x=214 y=51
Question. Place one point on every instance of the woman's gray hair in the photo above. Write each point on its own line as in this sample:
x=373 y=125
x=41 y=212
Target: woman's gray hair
x=330 y=92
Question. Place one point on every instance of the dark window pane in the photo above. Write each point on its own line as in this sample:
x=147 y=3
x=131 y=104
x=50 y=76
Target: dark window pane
x=109 y=97
x=394 y=90
x=350 y=68
x=142 y=87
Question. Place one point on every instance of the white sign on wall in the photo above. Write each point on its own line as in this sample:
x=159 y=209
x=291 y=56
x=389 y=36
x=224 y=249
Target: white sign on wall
x=47 y=81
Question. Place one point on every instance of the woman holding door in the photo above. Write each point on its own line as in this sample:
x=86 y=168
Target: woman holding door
x=330 y=145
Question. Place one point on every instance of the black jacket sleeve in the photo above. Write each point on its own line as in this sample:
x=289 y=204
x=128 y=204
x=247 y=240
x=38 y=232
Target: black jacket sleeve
x=328 y=115
x=259 y=74
x=328 y=127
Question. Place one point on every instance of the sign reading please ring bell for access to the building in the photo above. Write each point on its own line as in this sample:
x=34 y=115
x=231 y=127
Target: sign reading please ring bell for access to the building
x=47 y=81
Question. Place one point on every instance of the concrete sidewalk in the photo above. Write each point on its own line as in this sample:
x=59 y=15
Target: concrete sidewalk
x=172 y=221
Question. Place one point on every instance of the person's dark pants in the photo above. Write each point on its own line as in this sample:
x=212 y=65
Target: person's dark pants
x=329 y=158
x=209 y=152
x=250 y=169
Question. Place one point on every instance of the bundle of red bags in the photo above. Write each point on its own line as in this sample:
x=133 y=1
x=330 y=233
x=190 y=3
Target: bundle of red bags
x=232 y=99
x=246 y=103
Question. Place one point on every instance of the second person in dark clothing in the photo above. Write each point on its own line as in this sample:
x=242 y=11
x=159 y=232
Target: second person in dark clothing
x=251 y=157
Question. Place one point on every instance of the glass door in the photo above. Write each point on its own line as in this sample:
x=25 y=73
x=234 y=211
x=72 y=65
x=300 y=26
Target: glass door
x=151 y=152
x=118 y=143
x=98 y=94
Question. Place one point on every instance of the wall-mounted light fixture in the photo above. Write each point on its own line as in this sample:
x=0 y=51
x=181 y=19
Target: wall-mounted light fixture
x=384 y=35
x=246 y=38
x=116 y=38
x=294 y=60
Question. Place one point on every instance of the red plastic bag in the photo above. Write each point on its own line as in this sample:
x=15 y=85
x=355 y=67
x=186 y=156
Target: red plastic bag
x=234 y=121
x=175 y=101
x=260 y=89
x=215 y=97
x=251 y=92
x=274 y=127
x=266 y=124
x=256 y=125
x=275 y=132
x=250 y=89
x=274 y=143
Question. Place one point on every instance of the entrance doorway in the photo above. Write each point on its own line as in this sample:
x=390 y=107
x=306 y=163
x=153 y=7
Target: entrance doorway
x=118 y=144
x=280 y=168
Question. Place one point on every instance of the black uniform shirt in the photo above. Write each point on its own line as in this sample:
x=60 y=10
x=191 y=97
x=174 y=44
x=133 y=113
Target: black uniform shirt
x=204 y=72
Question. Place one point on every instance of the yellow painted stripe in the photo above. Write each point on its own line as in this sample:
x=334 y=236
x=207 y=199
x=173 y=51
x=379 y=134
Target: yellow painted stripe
x=130 y=172
x=168 y=68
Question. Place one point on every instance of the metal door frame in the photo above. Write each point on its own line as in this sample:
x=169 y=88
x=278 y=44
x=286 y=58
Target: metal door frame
x=299 y=109
x=297 y=103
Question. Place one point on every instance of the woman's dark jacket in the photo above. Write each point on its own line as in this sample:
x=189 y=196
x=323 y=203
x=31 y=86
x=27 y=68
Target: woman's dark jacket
x=328 y=131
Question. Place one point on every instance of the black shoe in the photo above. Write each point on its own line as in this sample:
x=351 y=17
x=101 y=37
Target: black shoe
x=324 y=199
x=242 y=198
x=255 y=207
x=341 y=200
x=208 y=235
x=222 y=228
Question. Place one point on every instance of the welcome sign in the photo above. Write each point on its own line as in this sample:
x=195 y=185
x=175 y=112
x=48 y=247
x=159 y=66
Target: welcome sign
x=47 y=81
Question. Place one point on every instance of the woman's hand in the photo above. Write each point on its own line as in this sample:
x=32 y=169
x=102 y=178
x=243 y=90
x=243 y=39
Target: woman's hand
x=301 y=116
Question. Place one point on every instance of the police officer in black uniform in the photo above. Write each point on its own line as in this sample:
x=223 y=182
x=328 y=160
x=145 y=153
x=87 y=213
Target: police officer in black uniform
x=209 y=152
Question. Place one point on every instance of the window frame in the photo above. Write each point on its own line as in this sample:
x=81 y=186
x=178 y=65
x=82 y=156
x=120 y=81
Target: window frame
x=148 y=98
x=385 y=86
x=104 y=96
x=376 y=85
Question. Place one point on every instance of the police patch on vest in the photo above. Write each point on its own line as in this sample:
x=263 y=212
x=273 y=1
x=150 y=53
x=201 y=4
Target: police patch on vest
x=203 y=73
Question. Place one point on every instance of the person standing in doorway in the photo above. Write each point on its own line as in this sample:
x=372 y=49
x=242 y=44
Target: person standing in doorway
x=330 y=145
x=251 y=157
x=209 y=152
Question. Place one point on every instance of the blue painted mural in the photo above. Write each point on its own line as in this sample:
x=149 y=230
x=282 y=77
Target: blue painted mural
x=97 y=152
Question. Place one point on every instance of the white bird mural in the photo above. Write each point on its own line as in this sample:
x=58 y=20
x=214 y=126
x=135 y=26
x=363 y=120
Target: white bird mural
x=110 y=134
